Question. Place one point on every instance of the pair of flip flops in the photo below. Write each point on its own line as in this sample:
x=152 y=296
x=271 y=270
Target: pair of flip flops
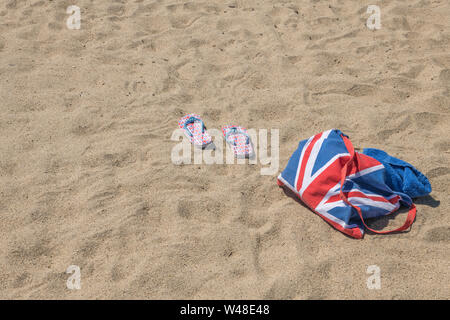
x=237 y=137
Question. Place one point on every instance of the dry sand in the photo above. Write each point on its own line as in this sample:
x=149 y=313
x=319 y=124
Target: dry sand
x=87 y=115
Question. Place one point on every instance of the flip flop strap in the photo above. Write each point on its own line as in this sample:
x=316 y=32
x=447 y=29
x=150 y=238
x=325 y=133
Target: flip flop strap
x=193 y=120
x=235 y=131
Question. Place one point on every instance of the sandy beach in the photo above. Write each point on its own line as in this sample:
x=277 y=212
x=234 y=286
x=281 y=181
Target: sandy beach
x=87 y=116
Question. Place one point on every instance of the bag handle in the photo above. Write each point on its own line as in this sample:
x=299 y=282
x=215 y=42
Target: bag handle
x=411 y=213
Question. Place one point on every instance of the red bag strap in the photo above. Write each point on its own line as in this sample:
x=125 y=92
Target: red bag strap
x=412 y=211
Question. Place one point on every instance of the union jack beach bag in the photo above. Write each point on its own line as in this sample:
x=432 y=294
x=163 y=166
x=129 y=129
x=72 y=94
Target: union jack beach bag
x=342 y=186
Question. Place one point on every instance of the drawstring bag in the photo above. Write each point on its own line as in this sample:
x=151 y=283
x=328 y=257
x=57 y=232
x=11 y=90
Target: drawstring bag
x=342 y=186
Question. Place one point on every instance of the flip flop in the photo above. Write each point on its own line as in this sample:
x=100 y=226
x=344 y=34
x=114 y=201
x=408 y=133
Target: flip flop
x=195 y=130
x=239 y=140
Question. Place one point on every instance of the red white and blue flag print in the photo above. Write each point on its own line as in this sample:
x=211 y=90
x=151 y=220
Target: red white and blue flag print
x=342 y=186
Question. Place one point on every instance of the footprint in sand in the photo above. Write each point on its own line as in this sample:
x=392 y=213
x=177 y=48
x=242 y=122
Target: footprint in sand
x=438 y=234
x=438 y=172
